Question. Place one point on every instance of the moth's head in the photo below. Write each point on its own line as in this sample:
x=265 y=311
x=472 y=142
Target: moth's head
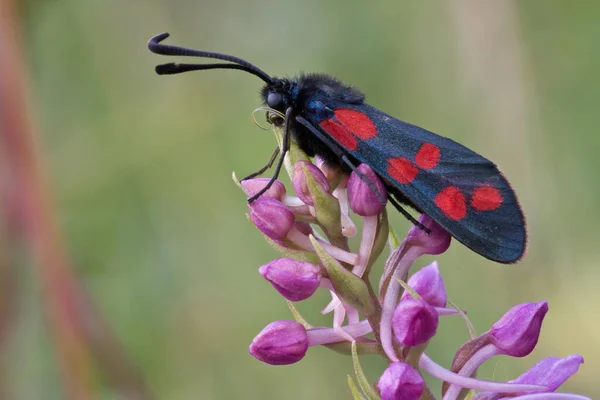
x=276 y=96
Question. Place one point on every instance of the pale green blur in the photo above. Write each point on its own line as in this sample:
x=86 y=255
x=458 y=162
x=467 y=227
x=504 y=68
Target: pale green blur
x=141 y=164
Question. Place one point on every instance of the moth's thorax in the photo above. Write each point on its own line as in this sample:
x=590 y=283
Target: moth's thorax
x=308 y=91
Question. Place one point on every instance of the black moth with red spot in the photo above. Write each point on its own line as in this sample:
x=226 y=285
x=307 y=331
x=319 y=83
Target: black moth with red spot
x=461 y=190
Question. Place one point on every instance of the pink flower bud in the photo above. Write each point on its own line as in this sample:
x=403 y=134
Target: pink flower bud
x=400 y=382
x=436 y=242
x=271 y=217
x=300 y=183
x=428 y=283
x=363 y=200
x=255 y=185
x=280 y=343
x=414 y=322
x=295 y=280
x=517 y=332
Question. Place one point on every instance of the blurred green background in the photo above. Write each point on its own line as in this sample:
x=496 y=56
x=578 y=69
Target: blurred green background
x=140 y=166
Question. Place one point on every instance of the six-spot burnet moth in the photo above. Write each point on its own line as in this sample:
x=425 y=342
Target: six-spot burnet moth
x=461 y=190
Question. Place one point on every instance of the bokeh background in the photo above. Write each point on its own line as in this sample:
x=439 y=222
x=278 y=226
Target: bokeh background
x=139 y=168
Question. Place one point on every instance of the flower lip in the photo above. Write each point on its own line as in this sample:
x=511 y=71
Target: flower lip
x=361 y=197
x=295 y=280
x=400 y=381
x=414 y=322
x=280 y=343
x=271 y=217
x=517 y=332
x=551 y=371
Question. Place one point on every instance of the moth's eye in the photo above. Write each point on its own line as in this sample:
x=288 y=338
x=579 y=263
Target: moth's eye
x=274 y=100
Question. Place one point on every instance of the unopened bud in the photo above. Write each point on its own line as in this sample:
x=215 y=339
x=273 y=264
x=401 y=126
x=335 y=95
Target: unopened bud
x=400 y=382
x=363 y=199
x=428 y=283
x=414 y=322
x=295 y=280
x=271 y=217
x=252 y=186
x=280 y=343
x=517 y=332
x=300 y=181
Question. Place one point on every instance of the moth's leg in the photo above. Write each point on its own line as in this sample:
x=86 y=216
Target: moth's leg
x=285 y=146
x=266 y=167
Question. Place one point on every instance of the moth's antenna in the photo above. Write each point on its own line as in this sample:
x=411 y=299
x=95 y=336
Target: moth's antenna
x=155 y=46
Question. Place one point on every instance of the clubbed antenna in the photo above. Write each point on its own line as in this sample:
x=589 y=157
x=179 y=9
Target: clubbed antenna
x=155 y=46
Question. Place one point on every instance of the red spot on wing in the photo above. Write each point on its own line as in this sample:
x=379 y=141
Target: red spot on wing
x=486 y=199
x=339 y=133
x=356 y=122
x=402 y=170
x=428 y=156
x=452 y=202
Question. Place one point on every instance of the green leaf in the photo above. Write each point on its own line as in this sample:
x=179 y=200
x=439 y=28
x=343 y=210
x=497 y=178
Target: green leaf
x=414 y=354
x=353 y=389
x=470 y=395
x=236 y=180
x=407 y=288
x=361 y=347
x=297 y=316
x=470 y=327
x=350 y=288
x=394 y=240
x=361 y=378
x=383 y=229
x=327 y=211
